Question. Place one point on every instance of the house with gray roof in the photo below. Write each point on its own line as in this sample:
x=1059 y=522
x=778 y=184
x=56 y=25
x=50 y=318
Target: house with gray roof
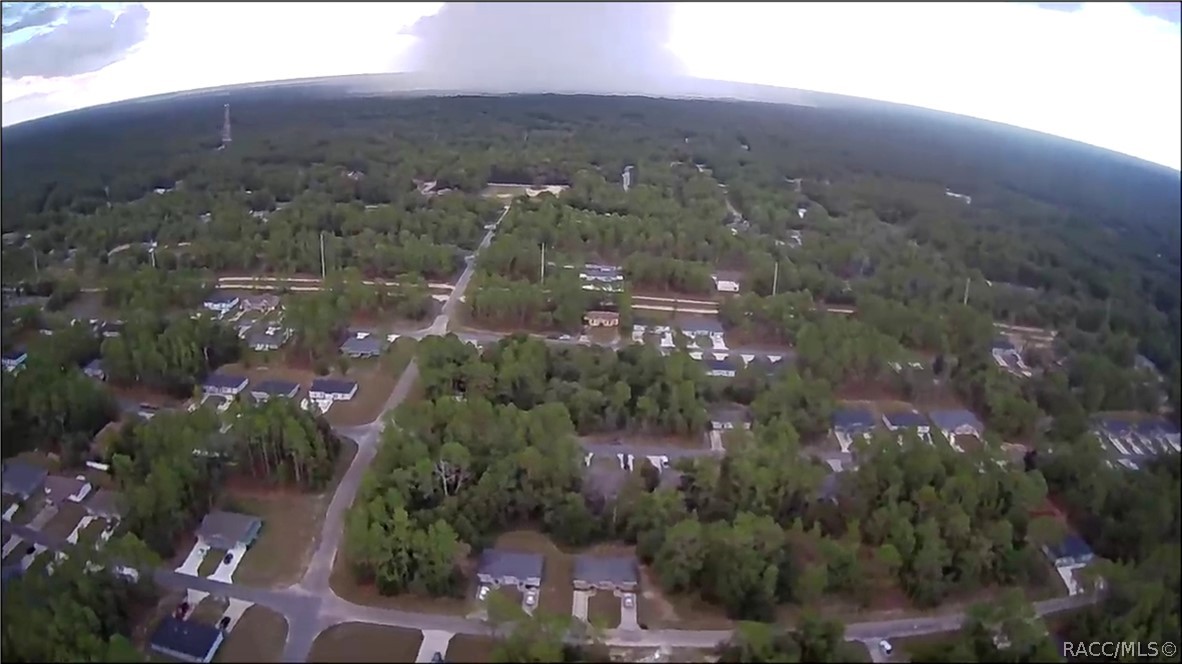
x=612 y=573
x=363 y=345
x=510 y=568
x=186 y=640
x=724 y=417
x=226 y=530
x=22 y=480
x=105 y=504
x=94 y=369
x=270 y=337
x=957 y=422
x=60 y=489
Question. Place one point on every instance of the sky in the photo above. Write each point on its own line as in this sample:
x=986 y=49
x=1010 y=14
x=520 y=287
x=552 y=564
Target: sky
x=1109 y=74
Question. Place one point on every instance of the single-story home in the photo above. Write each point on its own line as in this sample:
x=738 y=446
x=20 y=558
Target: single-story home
x=273 y=387
x=226 y=530
x=94 y=369
x=602 y=318
x=725 y=285
x=271 y=337
x=108 y=329
x=332 y=389
x=221 y=302
x=1070 y=552
x=701 y=327
x=186 y=640
x=907 y=419
x=510 y=568
x=265 y=302
x=22 y=480
x=957 y=422
x=726 y=417
x=720 y=368
x=60 y=489
x=14 y=360
x=370 y=345
x=850 y=423
x=610 y=573
x=602 y=273
x=224 y=384
x=105 y=504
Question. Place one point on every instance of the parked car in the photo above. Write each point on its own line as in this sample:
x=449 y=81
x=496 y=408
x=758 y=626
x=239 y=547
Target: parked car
x=629 y=601
x=885 y=646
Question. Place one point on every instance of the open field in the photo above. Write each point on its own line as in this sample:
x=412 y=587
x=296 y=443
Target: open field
x=257 y=637
x=291 y=527
x=210 y=562
x=361 y=642
x=467 y=648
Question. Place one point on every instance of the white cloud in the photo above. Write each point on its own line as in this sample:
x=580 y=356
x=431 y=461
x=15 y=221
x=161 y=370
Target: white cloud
x=1105 y=74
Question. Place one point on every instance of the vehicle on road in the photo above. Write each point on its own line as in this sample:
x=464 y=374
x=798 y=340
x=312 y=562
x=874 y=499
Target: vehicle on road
x=885 y=646
x=531 y=597
x=482 y=594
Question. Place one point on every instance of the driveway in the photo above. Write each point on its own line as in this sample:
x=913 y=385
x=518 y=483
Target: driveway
x=628 y=621
x=578 y=607
x=434 y=641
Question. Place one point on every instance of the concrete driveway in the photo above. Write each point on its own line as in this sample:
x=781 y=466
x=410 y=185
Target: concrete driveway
x=578 y=607
x=434 y=641
x=628 y=619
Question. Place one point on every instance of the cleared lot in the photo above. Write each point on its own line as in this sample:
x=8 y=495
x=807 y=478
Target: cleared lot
x=361 y=642
x=258 y=637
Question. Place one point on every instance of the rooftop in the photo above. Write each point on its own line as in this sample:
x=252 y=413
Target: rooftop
x=498 y=563
x=225 y=529
x=221 y=298
x=20 y=478
x=953 y=419
x=599 y=569
x=225 y=381
x=908 y=419
x=60 y=487
x=853 y=419
x=1071 y=546
x=370 y=345
x=728 y=413
x=187 y=637
x=332 y=385
x=15 y=354
x=105 y=503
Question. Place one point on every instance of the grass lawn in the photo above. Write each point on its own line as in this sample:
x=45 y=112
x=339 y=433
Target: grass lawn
x=855 y=651
x=64 y=522
x=210 y=563
x=603 y=610
x=467 y=648
x=291 y=528
x=208 y=611
x=361 y=642
x=257 y=637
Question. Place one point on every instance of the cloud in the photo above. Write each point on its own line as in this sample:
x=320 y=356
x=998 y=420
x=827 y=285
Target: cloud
x=19 y=16
x=89 y=39
x=549 y=46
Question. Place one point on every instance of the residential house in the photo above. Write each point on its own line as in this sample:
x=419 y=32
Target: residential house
x=227 y=385
x=267 y=389
x=726 y=417
x=510 y=568
x=610 y=573
x=908 y=420
x=717 y=368
x=22 y=480
x=94 y=369
x=602 y=318
x=852 y=423
x=723 y=284
x=269 y=338
x=701 y=327
x=228 y=530
x=332 y=389
x=263 y=303
x=14 y=360
x=1006 y=356
x=221 y=302
x=601 y=277
x=363 y=344
x=957 y=422
x=1070 y=553
x=60 y=489
x=186 y=640
x=105 y=504
x=108 y=329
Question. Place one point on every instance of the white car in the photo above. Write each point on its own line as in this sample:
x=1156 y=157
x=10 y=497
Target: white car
x=531 y=597
x=482 y=593
x=629 y=601
x=886 y=646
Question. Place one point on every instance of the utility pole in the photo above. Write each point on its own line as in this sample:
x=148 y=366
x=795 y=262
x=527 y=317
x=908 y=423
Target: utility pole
x=36 y=264
x=152 y=254
x=966 y=290
x=775 y=278
x=323 y=271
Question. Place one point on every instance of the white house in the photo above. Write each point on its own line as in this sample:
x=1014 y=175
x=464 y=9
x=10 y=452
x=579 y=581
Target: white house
x=725 y=285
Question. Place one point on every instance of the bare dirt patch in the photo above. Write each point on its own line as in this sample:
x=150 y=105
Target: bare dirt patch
x=291 y=526
x=468 y=648
x=361 y=642
x=258 y=636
